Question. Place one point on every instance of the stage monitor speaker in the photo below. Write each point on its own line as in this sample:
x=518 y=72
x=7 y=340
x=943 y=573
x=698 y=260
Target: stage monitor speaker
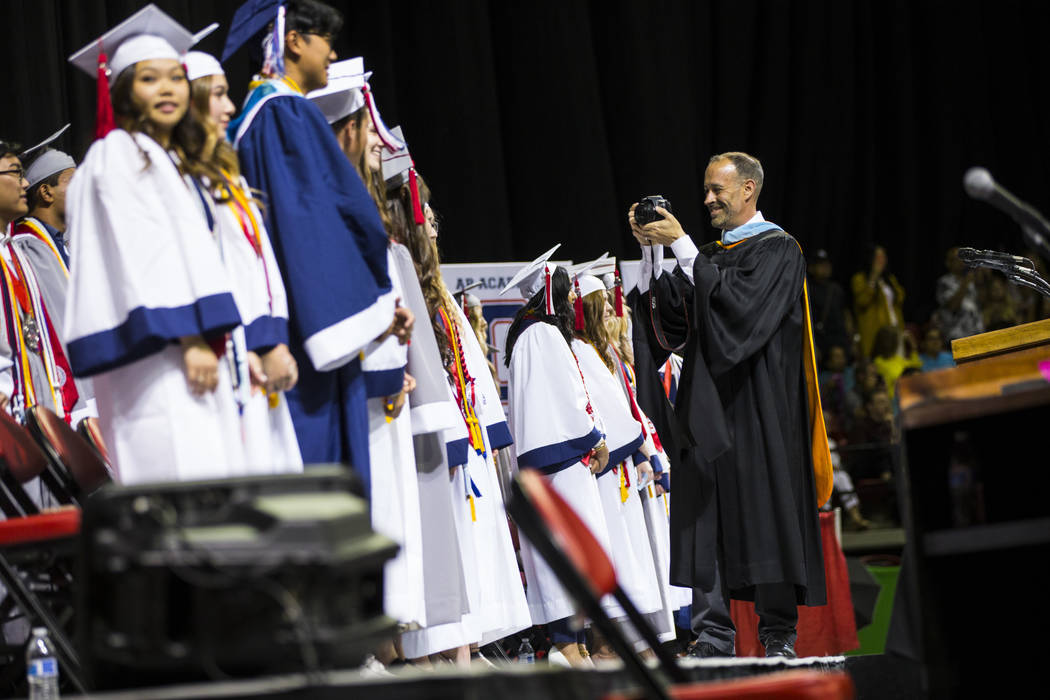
x=228 y=578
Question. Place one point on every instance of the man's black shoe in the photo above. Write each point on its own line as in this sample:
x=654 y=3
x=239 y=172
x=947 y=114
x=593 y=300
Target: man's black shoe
x=779 y=646
x=706 y=650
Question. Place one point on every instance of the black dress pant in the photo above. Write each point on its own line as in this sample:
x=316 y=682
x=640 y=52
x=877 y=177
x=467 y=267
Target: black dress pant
x=774 y=603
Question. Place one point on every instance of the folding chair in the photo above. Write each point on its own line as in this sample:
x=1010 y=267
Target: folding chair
x=36 y=550
x=75 y=469
x=89 y=430
x=583 y=567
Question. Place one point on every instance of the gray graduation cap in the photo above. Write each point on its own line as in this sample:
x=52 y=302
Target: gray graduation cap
x=344 y=93
x=147 y=34
x=396 y=164
x=531 y=278
x=48 y=162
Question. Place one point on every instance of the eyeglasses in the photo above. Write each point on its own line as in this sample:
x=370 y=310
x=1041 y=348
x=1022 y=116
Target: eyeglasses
x=327 y=38
x=18 y=172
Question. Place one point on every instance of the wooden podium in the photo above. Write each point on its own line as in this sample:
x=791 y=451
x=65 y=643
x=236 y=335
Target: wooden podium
x=975 y=499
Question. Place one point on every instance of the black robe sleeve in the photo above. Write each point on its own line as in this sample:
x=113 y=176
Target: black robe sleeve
x=740 y=307
x=670 y=322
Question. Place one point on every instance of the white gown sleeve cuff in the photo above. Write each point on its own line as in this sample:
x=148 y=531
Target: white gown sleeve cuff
x=685 y=252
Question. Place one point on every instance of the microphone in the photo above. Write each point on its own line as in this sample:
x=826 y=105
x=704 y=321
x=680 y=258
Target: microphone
x=972 y=255
x=979 y=184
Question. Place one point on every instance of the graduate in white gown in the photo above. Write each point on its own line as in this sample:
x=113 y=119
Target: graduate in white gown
x=655 y=503
x=656 y=495
x=150 y=303
x=394 y=490
x=497 y=600
x=267 y=432
x=556 y=430
x=631 y=551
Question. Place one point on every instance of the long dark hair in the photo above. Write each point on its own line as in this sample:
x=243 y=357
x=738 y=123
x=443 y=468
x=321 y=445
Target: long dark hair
x=536 y=308
x=191 y=139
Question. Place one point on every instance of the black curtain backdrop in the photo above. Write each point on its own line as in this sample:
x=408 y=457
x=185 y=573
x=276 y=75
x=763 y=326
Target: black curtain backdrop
x=538 y=122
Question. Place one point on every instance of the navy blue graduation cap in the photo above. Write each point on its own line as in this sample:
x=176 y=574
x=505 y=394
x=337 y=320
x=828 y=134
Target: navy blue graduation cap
x=250 y=20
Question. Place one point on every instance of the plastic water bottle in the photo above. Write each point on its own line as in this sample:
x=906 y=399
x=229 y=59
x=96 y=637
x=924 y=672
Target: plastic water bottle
x=41 y=666
x=525 y=653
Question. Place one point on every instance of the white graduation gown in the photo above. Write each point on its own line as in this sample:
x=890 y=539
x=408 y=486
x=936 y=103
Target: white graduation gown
x=552 y=429
x=267 y=432
x=395 y=491
x=145 y=271
x=503 y=609
x=630 y=549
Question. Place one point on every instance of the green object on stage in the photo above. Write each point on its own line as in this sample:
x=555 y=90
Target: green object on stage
x=873 y=637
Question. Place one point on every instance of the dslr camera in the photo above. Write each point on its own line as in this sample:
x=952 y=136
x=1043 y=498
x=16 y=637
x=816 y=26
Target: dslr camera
x=646 y=213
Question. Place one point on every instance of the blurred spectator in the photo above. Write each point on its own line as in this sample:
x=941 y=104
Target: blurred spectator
x=893 y=354
x=827 y=306
x=958 y=311
x=998 y=306
x=836 y=380
x=844 y=491
x=933 y=353
x=870 y=452
x=877 y=298
x=868 y=380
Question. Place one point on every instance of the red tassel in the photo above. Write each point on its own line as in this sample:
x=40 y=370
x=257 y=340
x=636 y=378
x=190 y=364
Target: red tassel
x=619 y=294
x=417 y=207
x=578 y=306
x=547 y=290
x=104 y=122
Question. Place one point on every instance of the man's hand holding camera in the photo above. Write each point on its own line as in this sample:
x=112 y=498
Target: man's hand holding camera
x=652 y=222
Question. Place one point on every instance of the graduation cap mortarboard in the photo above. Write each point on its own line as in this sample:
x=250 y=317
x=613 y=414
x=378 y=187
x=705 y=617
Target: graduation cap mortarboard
x=47 y=162
x=399 y=168
x=589 y=284
x=578 y=276
x=199 y=64
x=534 y=277
x=249 y=20
x=342 y=96
x=147 y=34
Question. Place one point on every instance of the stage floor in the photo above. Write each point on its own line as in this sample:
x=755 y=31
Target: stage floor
x=875 y=676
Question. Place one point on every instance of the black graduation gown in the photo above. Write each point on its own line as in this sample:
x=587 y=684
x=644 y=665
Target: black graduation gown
x=743 y=485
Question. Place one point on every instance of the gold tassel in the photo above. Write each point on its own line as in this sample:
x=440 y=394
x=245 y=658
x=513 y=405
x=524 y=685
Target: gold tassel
x=624 y=493
x=273 y=400
x=473 y=512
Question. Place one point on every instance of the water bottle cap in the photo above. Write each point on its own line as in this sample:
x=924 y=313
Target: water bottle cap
x=39 y=631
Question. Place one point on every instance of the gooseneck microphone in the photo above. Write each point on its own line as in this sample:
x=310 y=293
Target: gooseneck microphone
x=979 y=184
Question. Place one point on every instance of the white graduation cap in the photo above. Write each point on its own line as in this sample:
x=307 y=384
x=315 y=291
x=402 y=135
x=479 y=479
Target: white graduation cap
x=399 y=168
x=534 y=277
x=589 y=284
x=199 y=65
x=48 y=162
x=584 y=283
x=147 y=34
x=343 y=95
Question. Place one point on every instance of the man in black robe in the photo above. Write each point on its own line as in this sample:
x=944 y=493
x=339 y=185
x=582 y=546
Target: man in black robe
x=744 y=521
